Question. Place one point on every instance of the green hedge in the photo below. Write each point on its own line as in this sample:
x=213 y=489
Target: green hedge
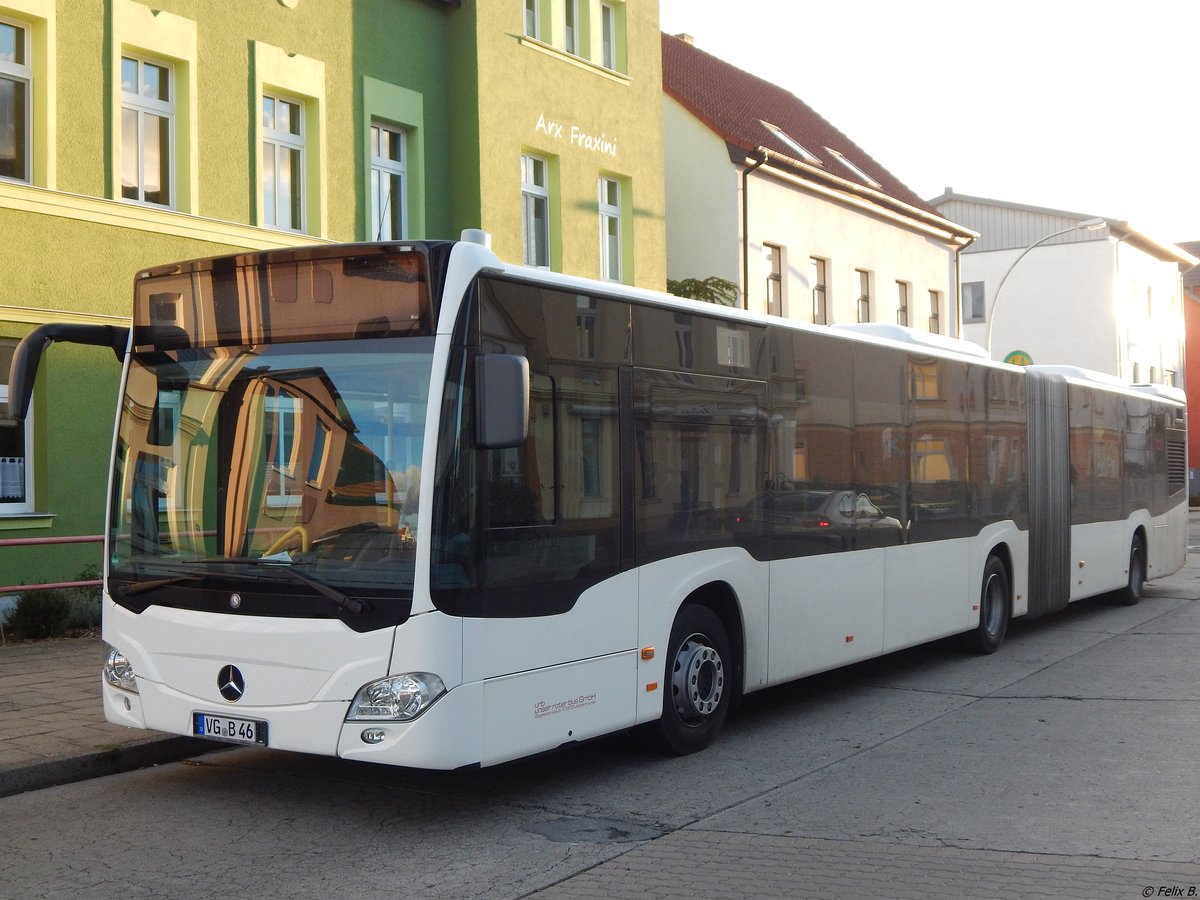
x=52 y=613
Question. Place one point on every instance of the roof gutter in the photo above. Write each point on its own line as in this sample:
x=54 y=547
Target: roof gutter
x=865 y=198
x=1165 y=252
x=956 y=236
x=746 y=230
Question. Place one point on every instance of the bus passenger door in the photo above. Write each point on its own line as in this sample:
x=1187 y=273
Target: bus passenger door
x=550 y=620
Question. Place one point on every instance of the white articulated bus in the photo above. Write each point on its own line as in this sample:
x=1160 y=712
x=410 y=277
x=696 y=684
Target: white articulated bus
x=404 y=503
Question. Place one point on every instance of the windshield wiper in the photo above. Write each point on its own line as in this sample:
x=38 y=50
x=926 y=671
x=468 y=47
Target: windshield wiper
x=141 y=587
x=340 y=600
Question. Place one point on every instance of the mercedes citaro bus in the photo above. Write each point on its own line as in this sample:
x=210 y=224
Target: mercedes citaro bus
x=404 y=503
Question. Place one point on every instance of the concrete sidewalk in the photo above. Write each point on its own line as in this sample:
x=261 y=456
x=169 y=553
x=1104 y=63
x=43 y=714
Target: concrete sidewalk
x=52 y=727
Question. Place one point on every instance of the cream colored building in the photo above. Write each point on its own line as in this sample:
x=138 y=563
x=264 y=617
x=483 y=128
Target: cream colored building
x=763 y=192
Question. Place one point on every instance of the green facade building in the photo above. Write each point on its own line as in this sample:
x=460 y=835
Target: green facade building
x=132 y=136
x=560 y=116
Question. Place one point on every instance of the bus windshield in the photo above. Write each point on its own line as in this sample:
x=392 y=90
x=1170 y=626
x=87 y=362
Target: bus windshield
x=294 y=463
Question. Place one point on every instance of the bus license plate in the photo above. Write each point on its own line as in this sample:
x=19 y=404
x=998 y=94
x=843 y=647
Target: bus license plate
x=228 y=728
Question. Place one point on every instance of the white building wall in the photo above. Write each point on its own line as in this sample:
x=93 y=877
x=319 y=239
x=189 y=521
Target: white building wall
x=1107 y=299
x=808 y=225
x=703 y=200
x=1056 y=305
x=1148 y=311
x=1099 y=304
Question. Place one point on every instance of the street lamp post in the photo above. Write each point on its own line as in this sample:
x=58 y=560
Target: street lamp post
x=1085 y=225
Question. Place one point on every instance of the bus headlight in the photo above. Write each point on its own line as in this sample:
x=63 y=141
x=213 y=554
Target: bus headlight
x=400 y=698
x=118 y=671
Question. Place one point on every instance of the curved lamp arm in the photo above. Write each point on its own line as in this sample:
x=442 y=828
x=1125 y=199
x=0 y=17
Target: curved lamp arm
x=1086 y=225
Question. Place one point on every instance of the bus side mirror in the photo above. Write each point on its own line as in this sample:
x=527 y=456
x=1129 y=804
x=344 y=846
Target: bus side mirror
x=29 y=354
x=501 y=400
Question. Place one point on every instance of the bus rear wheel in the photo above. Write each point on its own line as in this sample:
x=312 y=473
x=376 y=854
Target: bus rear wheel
x=698 y=684
x=994 y=609
x=1132 y=592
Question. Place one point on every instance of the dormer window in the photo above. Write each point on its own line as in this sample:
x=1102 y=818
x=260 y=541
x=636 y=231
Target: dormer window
x=858 y=173
x=786 y=138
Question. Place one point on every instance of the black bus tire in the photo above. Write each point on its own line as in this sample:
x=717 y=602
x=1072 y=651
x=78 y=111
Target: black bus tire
x=995 y=609
x=1132 y=592
x=697 y=685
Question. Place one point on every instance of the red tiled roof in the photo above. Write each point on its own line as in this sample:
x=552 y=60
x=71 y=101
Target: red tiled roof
x=734 y=104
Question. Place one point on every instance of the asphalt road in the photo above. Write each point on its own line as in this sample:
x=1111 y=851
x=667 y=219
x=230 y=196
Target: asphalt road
x=1065 y=764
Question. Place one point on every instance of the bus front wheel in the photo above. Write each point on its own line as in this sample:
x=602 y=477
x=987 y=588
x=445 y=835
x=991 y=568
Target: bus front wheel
x=994 y=609
x=698 y=683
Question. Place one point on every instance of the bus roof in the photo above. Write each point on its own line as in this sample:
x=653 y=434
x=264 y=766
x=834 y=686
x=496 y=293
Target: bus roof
x=871 y=332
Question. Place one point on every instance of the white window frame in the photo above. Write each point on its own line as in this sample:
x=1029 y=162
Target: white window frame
x=608 y=36
x=968 y=303
x=144 y=106
x=774 y=257
x=611 y=269
x=935 y=312
x=903 y=302
x=819 y=268
x=858 y=172
x=385 y=204
x=585 y=325
x=534 y=194
x=22 y=73
x=804 y=154
x=279 y=142
x=864 y=295
x=18 y=507
x=285 y=410
x=532 y=24
x=733 y=347
x=571 y=26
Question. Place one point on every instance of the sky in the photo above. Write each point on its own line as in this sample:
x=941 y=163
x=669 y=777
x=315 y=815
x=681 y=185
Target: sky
x=1080 y=105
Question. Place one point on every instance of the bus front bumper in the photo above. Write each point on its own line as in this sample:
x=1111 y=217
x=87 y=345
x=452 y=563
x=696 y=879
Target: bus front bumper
x=434 y=740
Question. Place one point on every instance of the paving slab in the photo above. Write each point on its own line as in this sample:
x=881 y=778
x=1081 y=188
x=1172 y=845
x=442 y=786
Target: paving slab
x=52 y=725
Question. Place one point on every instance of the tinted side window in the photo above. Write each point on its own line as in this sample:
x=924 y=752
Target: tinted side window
x=944 y=401
x=542 y=521
x=1095 y=420
x=1107 y=455
x=881 y=457
x=1162 y=435
x=1138 y=454
x=699 y=459
x=684 y=342
x=809 y=503
x=1080 y=403
x=999 y=456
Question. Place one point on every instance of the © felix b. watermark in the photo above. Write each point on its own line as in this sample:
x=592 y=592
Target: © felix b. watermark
x=1170 y=890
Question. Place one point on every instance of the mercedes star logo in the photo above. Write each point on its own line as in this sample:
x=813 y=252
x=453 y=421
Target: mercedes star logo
x=231 y=684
